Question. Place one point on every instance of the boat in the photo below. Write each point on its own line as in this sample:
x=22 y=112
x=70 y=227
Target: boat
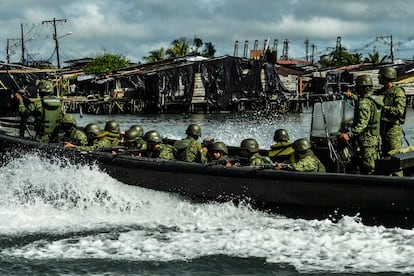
x=372 y=199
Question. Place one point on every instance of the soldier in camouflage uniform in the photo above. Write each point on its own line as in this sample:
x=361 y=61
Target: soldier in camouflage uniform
x=155 y=148
x=190 y=149
x=305 y=159
x=113 y=132
x=219 y=154
x=282 y=151
x=249 y=148
x=138 y=135
x=393 y=112
x=71 y=133
x=365 y=130
x=97 y=139
x=46 y=110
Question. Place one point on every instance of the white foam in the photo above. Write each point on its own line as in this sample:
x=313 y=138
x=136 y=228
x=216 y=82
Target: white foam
x=131 y=223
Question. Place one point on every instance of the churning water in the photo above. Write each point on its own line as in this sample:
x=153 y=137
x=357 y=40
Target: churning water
x=62 y=218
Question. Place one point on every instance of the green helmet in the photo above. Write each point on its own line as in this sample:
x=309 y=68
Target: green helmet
x=132 y=135
x=250 y=144
x=219 y=146
x=69 y=119
x=112 y=126
x=152 y=136
x=388 y=73
x=193 y=129
x=301 y=145
x=92 y=130
x=363 y=80
x=45 y=86
x=281 y=135
x=138 y=128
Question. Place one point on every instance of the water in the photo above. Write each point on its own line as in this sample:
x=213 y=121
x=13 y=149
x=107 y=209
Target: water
x=60 y=219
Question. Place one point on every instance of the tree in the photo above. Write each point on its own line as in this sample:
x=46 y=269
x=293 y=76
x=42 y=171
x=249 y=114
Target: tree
x=156 y=55
x=105 y=64
x=197 y=42
x=182 y=47
x=374 y=58
x=179 y=47
x=209 y=50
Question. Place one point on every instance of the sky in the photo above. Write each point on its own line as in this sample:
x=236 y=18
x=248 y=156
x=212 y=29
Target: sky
x=133 y=28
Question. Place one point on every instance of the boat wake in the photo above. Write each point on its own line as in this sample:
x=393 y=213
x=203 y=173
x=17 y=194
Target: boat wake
x=55 y=210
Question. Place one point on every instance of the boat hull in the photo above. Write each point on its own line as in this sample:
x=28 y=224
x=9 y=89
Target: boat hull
x=376 y=200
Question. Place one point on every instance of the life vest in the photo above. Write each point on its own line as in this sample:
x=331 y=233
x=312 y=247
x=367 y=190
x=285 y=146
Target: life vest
x=375 y=122
x=181 y=146
x=51 y=114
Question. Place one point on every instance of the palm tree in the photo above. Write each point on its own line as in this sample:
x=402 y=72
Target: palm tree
x=209 y=49
x=374 y=58
x=156 y=55
x=179 y=47
x=197 y=43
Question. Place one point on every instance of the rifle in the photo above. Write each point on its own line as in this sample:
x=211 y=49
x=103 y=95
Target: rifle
x=235 y=161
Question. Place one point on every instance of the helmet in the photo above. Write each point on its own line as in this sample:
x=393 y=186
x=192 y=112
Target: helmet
x=363 y=80
x=281 y=135
x=139 y=129
x=250 y=144
x=132 y=135
x=152 y=136
x=112 y=126
x=193 y=129
x=92 y=129
x=301 y=145
x=68 y=119
x=388 y=73
x=45 y=86
x=219 y=146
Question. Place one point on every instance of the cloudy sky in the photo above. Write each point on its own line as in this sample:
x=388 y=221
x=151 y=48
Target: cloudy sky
x=135 y=27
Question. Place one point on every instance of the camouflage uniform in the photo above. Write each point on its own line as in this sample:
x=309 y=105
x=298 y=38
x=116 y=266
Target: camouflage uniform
x=256 y=160
x=392 y=118
x=190 y=150
x=164 y=151
x=361 y=131
x=100 y=141
x=307 y=162
x=36 y=110
x=282 y=152
x=76 y=137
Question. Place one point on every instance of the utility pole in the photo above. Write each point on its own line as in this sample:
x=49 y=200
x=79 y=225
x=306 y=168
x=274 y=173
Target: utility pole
x=55 y=36
x=388 y=43
x=22 y=35
x=307 y=48
x=8 y=47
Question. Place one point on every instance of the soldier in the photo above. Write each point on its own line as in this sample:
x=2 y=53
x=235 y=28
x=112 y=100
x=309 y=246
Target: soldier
x=218 y=154
x=305 y=159
x=155 y=148
x=97 y=139
x=366 y=126
x=71 y=133
x=113 y=132
x=189 y=149
x=138 y=135
x=282 y=151
x=46 y=110
x=249 y=148
x=393 y=111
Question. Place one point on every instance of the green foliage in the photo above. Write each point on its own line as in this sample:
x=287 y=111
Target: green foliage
x=105 y=64
x=156 y=55
x=182 y=47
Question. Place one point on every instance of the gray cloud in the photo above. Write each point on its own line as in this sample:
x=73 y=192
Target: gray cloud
x=136 y=27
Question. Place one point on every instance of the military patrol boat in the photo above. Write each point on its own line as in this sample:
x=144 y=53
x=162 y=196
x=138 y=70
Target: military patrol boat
x=376 y=199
